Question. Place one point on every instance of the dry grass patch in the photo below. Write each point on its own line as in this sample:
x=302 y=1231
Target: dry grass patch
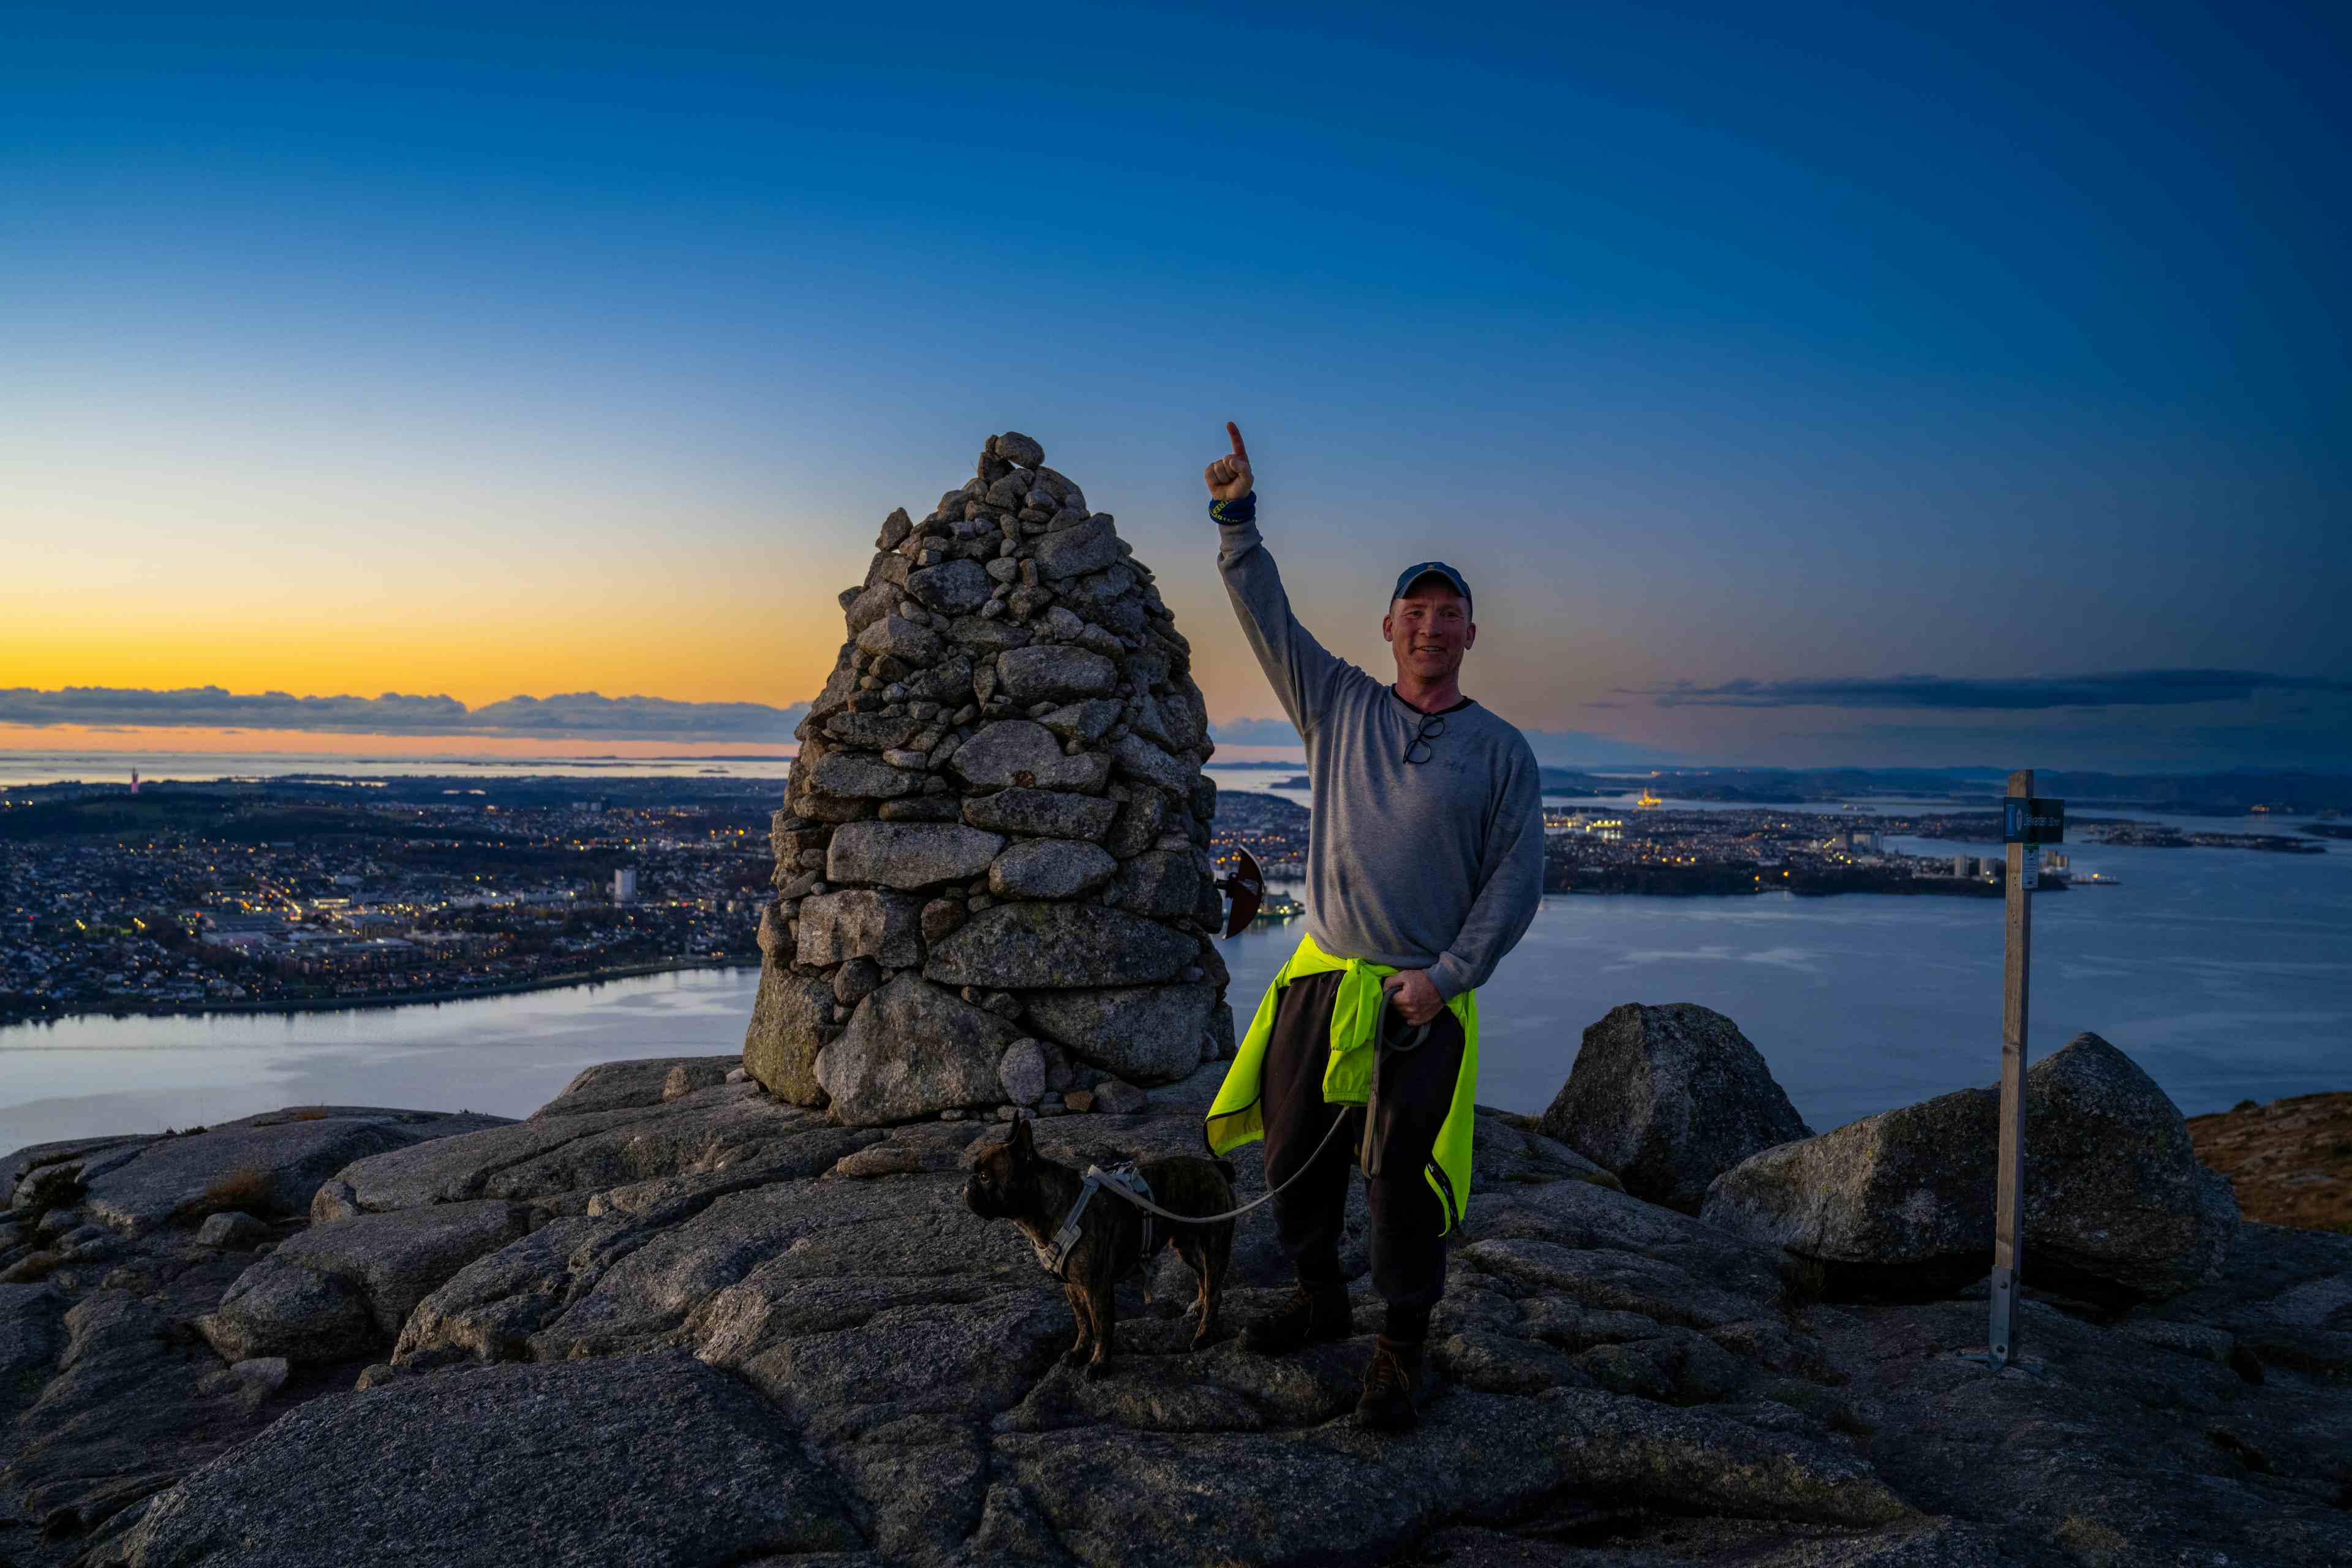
x=47 y=1187
x=33 y=1267
x=2091 y=1541
x=2290 y=1161
x=245 y=1189
x=1803 y=1282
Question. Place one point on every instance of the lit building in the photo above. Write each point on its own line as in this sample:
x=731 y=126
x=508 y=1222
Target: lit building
x=624 y=885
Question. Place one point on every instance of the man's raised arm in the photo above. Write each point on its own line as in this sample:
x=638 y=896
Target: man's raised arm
x=1303 y=673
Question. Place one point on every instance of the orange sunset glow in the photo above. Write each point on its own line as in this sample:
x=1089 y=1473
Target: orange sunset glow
x=307 y=743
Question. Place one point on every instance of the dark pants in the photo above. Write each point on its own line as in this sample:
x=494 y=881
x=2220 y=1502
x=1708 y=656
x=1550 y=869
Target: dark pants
x=1416 y=1090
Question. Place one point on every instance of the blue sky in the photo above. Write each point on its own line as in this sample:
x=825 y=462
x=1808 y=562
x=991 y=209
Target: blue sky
x=1800 y=352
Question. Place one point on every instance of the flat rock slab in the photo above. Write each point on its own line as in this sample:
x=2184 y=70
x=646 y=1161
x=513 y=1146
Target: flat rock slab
x=860 y=923
x=735 y=1123
x=1020 y=946
x=1121 y=1497
x=276 y=1309
x=1691 y=1459
x=395 y=1260
x=30 y=1332
x=1016 y=753
x=654 y=1460
x=464 y=1119
x=779 y=1260
x=1050 y=868
x=1049 y=814
x=792 y=1018
x=1140 y=759
x=1150 y=1033
x=241 y=1232
x=913 y=1049
x=1614 y=1281
x=1586 y=1215
x=1505 y=1153
x=910 y=855
x=952 y=1358
x=36 y=1162
x=617 y=1086
x=1669 y=1541
x=1336 y=1494
x=270 y=1169
x=1054 y=674
x=952 y=587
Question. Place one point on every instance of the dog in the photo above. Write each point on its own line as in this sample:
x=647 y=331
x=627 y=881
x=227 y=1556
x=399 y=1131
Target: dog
x=1013 y=1181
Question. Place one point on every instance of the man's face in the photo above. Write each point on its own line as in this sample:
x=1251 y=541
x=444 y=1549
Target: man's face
x=1429 y=630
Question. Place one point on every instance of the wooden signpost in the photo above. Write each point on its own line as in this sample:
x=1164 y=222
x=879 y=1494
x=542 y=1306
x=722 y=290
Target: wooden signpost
x=2027 y=824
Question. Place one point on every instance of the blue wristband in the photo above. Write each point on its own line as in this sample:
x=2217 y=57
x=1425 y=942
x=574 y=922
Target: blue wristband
x=1245 y=510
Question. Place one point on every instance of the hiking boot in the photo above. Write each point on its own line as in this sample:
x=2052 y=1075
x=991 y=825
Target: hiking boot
x=1396 y=1386
x=1309 y=1317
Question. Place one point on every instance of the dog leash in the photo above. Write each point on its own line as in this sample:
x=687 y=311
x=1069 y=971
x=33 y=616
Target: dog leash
x=1105 y=1181
x=1098 y=1177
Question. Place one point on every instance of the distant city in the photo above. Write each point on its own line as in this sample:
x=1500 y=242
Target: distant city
x=313 y=890
x=317 y=892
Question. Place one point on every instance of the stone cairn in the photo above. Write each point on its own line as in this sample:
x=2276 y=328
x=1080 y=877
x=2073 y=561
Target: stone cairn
x=994 y=886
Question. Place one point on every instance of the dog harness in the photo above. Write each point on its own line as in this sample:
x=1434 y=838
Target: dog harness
x=1131 y=1186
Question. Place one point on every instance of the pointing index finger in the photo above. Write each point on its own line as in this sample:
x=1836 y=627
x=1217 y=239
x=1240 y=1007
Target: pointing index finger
x=1235 y=432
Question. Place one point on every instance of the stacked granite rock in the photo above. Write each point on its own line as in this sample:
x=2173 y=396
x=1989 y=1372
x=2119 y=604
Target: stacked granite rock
x=994 y=890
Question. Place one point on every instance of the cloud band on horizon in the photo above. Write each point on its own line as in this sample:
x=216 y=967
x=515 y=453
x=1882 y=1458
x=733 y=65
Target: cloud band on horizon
x=572 y=715
x=1555 y=748
x=2119 y=689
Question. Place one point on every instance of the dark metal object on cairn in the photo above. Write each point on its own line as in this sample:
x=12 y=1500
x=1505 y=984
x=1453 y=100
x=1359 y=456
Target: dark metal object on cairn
x=994 y=885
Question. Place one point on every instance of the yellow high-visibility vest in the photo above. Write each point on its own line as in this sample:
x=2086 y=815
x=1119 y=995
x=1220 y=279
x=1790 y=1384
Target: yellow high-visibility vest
x=1236 y=1117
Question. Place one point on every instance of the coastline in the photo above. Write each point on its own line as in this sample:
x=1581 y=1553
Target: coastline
x=402 y=999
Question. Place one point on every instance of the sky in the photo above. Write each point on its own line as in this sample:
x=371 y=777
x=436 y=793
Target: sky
x=1797 y=385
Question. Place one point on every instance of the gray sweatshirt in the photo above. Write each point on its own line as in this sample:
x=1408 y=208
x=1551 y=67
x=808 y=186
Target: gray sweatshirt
x=1435 y=865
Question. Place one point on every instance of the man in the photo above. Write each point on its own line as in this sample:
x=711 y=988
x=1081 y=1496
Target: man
x=1425 y=867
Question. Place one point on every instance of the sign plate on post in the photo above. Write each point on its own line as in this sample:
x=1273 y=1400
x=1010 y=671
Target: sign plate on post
x=2033 y=872
x=2032 y=821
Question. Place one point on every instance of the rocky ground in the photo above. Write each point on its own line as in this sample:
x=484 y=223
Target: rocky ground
x=670 y=1319
x=2290 y=1161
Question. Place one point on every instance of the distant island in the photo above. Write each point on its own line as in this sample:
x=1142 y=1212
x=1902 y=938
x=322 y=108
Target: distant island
x=1660 y=852
x=2239 y=794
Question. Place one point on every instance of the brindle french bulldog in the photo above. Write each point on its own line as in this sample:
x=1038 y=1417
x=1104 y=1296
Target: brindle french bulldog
x=1013 y=1181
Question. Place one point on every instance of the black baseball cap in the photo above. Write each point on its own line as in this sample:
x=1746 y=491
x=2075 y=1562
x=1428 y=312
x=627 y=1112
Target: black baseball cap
x=1411 y=574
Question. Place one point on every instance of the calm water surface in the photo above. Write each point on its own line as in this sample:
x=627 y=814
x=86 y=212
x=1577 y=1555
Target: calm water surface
x=2226 y=974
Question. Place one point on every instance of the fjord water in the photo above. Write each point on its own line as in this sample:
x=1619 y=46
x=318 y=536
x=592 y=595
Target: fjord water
x=2227 y=973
